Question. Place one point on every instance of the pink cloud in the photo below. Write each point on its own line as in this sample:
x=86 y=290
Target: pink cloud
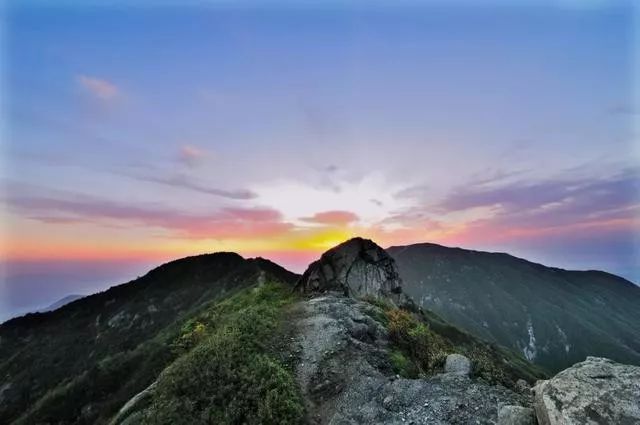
x=254 y=214
x=99 y=88
x=231 y=223
x=192 y=155
x=332 y=217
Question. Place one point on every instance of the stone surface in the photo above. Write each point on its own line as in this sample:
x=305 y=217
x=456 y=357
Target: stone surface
x=515 y=415
x=457 y=364
x=596 y=391
x=357 y=268
x=522 y=386
x=345 y=376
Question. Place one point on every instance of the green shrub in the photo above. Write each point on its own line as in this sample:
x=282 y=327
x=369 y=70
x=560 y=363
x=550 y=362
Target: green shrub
x=402 y=365
x=231 y=377
x=192 y=333
x=412 y=337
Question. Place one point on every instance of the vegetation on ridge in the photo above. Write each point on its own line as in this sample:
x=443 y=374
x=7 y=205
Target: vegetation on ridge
x=421 y=342
x=81 y=363
x=231 y=374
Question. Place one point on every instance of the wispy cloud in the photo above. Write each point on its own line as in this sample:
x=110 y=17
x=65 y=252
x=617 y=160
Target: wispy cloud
x=553 y=201
x=97 y=87
x=226 y=223
x=501 y=209
x=184 y=182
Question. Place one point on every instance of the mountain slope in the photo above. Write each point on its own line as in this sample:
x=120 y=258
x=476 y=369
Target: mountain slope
x=553 y=317
x=220 y=339
x=80 y=363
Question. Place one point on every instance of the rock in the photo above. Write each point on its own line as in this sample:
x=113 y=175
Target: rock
x=522 y=386
x=596 y=391
x=457 y=364
x=387 y=403
x=348 y=380
x=357 y=268
x=515 y=415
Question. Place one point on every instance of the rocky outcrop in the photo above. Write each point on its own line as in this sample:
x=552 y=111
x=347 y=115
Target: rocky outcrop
x=345 y=375
x=357 y=268
x=596 y=391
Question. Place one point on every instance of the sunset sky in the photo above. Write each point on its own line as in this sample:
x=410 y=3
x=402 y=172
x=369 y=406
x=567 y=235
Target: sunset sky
x=135 y=135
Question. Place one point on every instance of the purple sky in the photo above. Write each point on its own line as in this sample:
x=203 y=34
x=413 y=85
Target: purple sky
x=134 y=135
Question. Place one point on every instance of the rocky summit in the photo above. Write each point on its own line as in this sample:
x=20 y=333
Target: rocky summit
x=357 y=268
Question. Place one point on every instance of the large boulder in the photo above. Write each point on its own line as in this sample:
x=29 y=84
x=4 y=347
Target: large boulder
x=596 y=391
x=457 y=364
x=357 y=268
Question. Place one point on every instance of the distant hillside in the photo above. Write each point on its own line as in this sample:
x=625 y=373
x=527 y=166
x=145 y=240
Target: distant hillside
x=83 y=361
x=553 y=317
x=61 y=302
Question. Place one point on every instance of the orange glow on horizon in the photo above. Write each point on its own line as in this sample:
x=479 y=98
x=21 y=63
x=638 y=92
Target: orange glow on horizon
x=292 y=249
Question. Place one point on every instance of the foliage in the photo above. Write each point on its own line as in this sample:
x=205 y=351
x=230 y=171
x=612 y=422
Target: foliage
x=418 y=343
x=191 y=335
x=231 y=376
x=81 y=363
x=402 y=365
x=421 y=342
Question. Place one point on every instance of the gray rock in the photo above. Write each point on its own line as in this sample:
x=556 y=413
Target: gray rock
x=522 y=386
x=596 y=391
x=346 y=378
x=357 y=268
x=457 y=364
x=515 y=415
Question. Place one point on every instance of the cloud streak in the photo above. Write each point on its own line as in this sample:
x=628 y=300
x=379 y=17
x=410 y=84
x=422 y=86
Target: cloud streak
x=183 y=182
x=226 y=223
x=552 y=202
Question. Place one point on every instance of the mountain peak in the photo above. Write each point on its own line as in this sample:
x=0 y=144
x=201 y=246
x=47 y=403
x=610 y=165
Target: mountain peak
x=357 y=267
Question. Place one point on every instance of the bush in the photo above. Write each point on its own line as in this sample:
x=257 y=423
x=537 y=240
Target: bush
x=231 y=377
x=412 y=337
x=402 y=365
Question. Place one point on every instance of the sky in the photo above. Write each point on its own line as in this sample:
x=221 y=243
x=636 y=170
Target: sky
x=135 y=134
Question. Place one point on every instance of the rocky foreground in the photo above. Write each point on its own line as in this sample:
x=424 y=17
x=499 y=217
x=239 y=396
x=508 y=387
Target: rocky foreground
x=346 y=379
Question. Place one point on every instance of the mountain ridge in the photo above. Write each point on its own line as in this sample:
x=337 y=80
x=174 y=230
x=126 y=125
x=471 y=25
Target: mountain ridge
x=515 y=257
x=242 y=340
x=553 y=316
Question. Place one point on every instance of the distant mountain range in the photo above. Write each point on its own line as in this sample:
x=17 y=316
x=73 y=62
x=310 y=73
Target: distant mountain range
x=553 y=317
x=223 y=339
x=206 y=337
